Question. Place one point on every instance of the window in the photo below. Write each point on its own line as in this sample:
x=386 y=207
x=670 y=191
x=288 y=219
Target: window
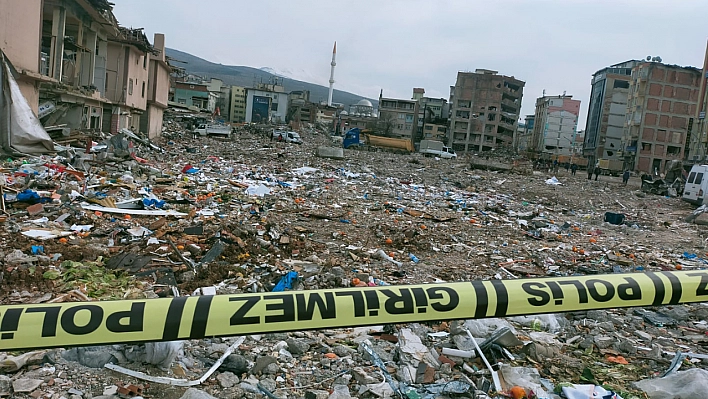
x=143 y=90
x=181 y=101
x=145 y=58
x=699 y=178
x=130 y=86
x=409 y=118
x=691 y=177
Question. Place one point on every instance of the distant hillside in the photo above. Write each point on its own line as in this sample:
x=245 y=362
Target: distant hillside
x=246 y=76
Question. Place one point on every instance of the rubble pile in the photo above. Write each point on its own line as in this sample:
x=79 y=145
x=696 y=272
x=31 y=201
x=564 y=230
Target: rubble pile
x=128 y=218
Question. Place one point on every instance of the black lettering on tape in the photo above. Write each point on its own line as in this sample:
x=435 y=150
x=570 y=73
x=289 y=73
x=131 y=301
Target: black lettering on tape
x=659 y=289
x=502 y=298
x=702 y=289
x=556 y=291
x=358 y=299
x=306 y=306
x=676 y=288
x=480 y=292
x=372 y=302
x=201 y=317
x=582 y=291
x=401 y=303
x=134 y=318
x=68 y=319
x=421 y=300
x=540 y=297
x=595 y=294
x=240 y=318
x=629 y=291
x=436 y=293
x=284 y=304
x=174 y=318
x=51 y=318
x=9 y=323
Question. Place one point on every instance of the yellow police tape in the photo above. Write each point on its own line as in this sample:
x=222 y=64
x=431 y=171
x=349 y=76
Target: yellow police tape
x=92 y=323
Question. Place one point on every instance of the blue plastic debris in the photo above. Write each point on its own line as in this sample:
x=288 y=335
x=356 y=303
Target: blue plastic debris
x=286 y=282
x=153 y=203
x=37 y=249
x=29 y=196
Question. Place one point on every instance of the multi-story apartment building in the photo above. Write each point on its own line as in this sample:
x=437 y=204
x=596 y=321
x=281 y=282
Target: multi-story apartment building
x=74 y=59
x=266 y=103
x=158 y=88
x=398 y=118
x=237 y=105
x=698 y=143
x=485 y=109
x=660 y=107
x=524 y=134
x=607 y=110
x=432 y=116
x=555 y=125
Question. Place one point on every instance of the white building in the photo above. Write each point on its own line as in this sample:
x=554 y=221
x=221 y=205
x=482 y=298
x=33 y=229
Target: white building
x=263 y=106
x=556 y=124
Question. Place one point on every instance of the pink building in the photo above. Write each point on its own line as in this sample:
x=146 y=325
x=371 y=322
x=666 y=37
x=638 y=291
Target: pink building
x=94 y=75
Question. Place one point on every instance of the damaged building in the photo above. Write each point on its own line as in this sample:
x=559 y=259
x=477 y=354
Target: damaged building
x=485 y=110
x=79 y=70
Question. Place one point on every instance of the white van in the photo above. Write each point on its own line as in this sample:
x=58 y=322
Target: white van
x=697 y=185
x=288 y=137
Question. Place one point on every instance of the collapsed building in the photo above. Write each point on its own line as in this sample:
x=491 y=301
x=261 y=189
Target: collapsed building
x=80 y=70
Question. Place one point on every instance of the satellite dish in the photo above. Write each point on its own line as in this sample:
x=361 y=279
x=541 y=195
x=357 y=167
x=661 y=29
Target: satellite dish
x=648 y=58
x=658 y=59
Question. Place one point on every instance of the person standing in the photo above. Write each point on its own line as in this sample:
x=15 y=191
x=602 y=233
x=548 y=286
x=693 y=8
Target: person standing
x=590 y=168
x=597 y=172
x=573 y=169
x=625 y=177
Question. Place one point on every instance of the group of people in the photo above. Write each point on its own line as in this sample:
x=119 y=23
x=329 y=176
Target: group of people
x=555 y=166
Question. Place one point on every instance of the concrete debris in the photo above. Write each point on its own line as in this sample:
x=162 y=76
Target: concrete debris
x=244 y=214
x=22 y=385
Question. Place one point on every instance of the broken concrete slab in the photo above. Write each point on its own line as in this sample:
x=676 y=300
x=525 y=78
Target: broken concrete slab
x=330 y=152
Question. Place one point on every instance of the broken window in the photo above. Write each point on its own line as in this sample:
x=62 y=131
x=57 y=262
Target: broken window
x=621 y=84
x=464 y=103
x=130 y=86
x=492 y=108
x=491 y=117
x=143 y=90
x=673 y=150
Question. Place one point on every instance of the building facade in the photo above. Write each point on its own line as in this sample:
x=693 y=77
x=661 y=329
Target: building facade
x=661 y=105
x=77 y=67
x=485 y=110
x=432 y=116
x=266 y=103
x=607 y=110
x=158 y=88
x=555 y=125
x=192 y=94
x=237 y=105
x=398 y=118
x=698 y=143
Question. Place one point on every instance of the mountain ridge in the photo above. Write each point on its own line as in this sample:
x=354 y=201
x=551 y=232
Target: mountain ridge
x=245 y=76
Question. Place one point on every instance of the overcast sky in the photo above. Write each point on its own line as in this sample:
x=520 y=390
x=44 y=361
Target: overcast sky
x=396 y=45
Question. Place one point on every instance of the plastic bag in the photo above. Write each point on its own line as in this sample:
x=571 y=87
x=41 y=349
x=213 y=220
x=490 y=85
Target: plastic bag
x=484 y=328
x=689 y=384
x=541 y=322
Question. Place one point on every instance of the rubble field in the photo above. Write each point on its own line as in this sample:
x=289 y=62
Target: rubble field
x=183 y=216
